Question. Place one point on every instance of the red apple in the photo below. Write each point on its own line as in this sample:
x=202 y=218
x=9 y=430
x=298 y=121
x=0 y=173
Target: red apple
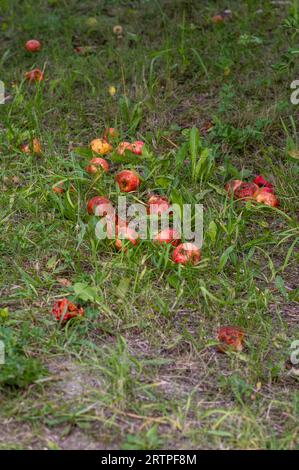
x=157 y=204
x=168 y=235
x=266 y=196
x=136 y=147
x=262 y=182
x=35 y=75
x=33 y=45
x=63 y=310
x=230 y=338
x=128 y=181
x=245 y=191
x=99 y=204
x=186 y=253
x=96 y=164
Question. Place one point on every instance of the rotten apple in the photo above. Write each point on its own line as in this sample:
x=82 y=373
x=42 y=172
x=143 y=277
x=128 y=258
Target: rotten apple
x=266 y=196
x=64 y=309
x=35 y=75
x=128 y=181
x=100 y=146
x=230 y=338
x=186 y=253
x=97 y=164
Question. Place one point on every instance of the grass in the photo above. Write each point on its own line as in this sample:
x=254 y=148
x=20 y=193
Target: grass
x=140 y=370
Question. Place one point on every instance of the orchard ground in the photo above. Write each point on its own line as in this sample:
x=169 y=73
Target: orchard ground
x=141 y=369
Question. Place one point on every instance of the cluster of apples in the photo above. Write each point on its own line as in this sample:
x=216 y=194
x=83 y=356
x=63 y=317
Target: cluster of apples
x=259 y=190
x=129 y=181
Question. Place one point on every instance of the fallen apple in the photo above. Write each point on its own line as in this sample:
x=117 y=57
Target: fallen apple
x=128 y=181
x=122 y=147
x=99 y=205
x=245 y=191
x=266 y=196
x=97 y=164
x=230 y=338
x=136 y=147
x=100 y=146
x=35 y=75
x=262 y=182
x=63 y=310
x=157 y=204
x=33 y=45
x=168 y=235
x=186 y=253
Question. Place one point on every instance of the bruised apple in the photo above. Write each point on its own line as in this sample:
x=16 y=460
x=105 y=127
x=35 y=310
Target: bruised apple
x=136 y=147
x=128 y=181
x=266 y=196
x=97 y=164
x=230 y=338
x=100 y=146
x=186 y=253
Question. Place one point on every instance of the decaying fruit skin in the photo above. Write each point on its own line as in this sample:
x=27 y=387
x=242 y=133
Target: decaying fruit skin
x=35 y=75
x=33 y=45
x=97 y=164
x=245 y=191
x=157 y=204
x=230 y=338
x=266 y=196
x=128 y=181
x=100 y=206
x=63 y=310
x=232 y=185
x=186 y=253
x=168 y=236
x=262 y=182
x=100 y=146
x=35 y=147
